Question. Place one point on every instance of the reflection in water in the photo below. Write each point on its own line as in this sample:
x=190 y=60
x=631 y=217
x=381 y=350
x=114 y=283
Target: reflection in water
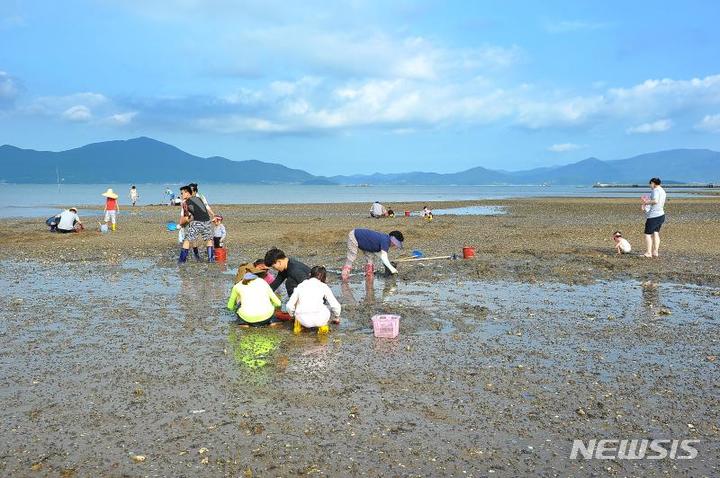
x=203 y=293
x=650 y=298
x=253 y=348
x=346 y=294
x=389 y=288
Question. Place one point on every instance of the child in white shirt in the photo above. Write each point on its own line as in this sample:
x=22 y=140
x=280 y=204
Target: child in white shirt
x=219 y=232
x=622 y=246
x=307 y=303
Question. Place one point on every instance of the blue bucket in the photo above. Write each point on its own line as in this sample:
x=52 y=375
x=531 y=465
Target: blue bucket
x=171 y=226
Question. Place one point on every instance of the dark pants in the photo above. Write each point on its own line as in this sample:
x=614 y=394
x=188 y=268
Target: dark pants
x=263 y=323
x=216 y=241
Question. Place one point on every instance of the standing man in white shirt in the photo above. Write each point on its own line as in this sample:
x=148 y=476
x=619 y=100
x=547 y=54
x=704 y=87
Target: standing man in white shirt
x=654 y=217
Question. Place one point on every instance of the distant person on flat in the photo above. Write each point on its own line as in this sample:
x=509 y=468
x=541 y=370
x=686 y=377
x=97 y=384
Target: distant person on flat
x=654 y=207
x=133 y=195
x=622 y=246
x=378 y=210
x=68 y=221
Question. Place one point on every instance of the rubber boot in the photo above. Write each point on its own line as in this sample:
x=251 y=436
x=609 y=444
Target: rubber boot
x=323 y=329
x=183 y=256
x=297 y=328
x=345 y=274
x=211 y=254
x=196 y=253
x=369 y=270
x=113 y=227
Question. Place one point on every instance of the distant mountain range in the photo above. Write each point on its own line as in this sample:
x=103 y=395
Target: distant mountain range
x=145 y=160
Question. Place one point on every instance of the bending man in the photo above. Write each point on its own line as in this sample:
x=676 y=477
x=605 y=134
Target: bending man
x=371 y=243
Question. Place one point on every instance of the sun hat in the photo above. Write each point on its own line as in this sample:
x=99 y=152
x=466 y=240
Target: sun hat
x=249 y=269
x=110 y=194
x=73 y=209
x=397 y=238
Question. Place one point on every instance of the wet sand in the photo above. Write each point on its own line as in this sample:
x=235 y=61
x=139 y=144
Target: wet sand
x=112 y=352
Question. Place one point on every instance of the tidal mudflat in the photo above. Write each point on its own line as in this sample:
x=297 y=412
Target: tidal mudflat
x=115 y=361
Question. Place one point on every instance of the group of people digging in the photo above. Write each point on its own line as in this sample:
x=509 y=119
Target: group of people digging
x=254 y=300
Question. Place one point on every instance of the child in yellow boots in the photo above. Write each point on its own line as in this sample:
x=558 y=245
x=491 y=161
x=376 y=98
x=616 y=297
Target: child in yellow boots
x=307 y=303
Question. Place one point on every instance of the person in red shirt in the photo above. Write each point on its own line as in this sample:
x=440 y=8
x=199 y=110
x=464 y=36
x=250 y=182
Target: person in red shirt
x=111 y=207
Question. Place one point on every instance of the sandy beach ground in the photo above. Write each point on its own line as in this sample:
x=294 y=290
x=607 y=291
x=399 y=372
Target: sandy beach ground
x=118 y=362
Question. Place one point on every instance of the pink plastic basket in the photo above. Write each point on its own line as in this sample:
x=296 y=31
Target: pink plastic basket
x=386 y=325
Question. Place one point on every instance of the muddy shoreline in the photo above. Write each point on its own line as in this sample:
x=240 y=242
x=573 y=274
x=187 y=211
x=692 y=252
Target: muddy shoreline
x=112 y=352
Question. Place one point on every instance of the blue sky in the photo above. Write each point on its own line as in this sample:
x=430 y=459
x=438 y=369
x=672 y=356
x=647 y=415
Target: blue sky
x=357 y=87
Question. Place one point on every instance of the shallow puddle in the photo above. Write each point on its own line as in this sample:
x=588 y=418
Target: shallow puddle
x=472 y=211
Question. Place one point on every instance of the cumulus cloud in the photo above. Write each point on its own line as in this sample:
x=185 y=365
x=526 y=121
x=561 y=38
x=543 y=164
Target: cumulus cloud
x=658 y=126
x=649 y=98
x=709 y=124
x=59 y=105
x=77 y=113
x=564 y=147
x=120 y=119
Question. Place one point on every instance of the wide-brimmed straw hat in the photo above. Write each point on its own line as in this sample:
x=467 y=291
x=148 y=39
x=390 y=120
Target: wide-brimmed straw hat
x=110 y=194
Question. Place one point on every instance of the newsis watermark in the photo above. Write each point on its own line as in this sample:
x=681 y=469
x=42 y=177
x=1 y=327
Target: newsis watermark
x=640 y=449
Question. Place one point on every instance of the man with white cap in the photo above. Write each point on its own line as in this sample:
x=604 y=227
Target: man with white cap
x=68 y=221
x=371 y=243
x=111 y=207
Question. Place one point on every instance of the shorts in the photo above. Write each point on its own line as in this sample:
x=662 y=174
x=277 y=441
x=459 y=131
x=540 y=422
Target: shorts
x=217 y=242
x=653 y=224
x=110 y=216
x=197 y=230
x=353 y=249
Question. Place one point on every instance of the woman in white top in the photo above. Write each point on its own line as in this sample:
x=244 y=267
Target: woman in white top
x=307 y=303
x=654 y=207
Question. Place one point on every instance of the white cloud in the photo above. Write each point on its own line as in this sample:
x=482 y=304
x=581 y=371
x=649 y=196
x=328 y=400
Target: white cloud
x=647 y=99
x=658 y=126
x=77 y=113
x=121 y=119
x=9 y=88
x=564 y=147
x=709 y=123
x=58 y=105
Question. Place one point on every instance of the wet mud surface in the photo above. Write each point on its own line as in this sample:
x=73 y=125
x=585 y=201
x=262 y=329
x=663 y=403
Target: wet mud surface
x=117 y=362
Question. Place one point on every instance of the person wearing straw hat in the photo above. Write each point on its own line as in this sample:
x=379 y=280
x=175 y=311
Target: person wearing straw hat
x=111 y=207
x=256 y=300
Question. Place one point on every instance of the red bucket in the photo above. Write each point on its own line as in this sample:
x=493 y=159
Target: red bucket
x=468 y=252
x=220 y=254
x=407 y=213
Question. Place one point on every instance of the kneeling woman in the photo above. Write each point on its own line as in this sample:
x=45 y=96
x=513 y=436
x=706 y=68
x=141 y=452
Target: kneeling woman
x=256 y=299
x=307 y=303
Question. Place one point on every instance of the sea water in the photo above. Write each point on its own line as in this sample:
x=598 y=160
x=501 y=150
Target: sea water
x=43 y=200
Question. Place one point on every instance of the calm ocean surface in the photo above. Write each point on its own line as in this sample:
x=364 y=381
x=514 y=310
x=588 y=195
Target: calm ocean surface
x=42 y=200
